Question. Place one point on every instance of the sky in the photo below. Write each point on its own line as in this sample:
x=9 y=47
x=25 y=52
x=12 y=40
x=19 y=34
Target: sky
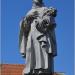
x=12 y=11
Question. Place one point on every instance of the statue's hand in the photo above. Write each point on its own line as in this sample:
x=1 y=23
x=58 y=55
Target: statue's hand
x=42 y=25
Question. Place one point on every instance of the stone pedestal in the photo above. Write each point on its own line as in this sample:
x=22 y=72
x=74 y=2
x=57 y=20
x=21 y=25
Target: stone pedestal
x=48 y=74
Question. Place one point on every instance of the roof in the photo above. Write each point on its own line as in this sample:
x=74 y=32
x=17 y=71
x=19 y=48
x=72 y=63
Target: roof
x=15 y=69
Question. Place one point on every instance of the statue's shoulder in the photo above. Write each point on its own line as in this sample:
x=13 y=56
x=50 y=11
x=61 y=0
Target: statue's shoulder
x=48 y=8
x=30 y=12
x=45 y=8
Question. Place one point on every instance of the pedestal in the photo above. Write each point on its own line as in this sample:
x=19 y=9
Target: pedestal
x=48 y=74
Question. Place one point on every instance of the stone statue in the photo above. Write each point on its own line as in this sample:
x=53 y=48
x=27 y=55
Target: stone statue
x=37 y=39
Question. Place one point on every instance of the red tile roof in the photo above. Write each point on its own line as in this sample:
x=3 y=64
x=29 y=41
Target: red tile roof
x=13 y=69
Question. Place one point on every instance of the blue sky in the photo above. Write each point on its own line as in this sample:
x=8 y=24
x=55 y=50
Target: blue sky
x=13 y=11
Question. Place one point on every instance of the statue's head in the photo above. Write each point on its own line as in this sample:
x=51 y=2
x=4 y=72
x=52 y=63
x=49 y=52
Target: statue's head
x=37 y=1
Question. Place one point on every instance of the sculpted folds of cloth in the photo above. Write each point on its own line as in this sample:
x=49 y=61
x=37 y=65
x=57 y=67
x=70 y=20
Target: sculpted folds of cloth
x=37 y=39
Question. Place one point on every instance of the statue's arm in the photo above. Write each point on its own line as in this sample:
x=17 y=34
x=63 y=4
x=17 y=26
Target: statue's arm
x=53 y=14
x=22 y=37
x=25 y=26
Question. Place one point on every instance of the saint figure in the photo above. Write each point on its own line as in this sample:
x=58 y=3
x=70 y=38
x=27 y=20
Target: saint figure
x=37 y=39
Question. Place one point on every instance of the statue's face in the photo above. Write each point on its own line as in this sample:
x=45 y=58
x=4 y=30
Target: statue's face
x=37 y=1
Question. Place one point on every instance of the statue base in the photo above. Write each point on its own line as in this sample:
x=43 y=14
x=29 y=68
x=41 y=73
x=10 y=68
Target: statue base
x=47 y=74
x=40 y=74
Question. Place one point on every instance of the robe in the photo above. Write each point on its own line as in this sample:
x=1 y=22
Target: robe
x=38 y=48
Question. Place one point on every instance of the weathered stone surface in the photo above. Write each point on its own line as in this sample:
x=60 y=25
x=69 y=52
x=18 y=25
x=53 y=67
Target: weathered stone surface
x=37 y=39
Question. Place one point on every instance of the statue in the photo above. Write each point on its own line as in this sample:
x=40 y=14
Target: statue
x=37 y=39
